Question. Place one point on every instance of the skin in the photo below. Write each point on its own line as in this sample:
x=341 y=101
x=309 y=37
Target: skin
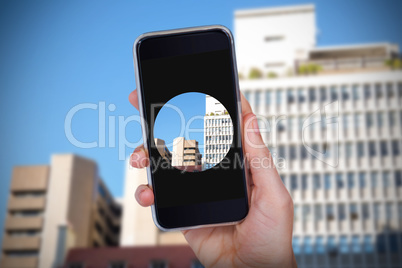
x=264 y=238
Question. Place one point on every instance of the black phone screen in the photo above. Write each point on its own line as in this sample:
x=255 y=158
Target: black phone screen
x=197 y=179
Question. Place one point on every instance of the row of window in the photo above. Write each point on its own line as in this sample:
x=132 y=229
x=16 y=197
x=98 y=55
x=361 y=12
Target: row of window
x=214 y=157
x=212 y=147
x=346 y=245
x=218 y=122
x=356 y=211
x=322 y=94
x=350 y=180
x=218 y=138
x=213 y=130
x=346 y=150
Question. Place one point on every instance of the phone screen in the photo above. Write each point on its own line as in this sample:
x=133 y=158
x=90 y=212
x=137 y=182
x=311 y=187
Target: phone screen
x=193 y=130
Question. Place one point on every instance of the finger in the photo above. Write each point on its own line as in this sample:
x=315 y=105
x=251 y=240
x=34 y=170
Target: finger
x=144 y=195
x=133 y=98
x=139 y=158
x=245 y=105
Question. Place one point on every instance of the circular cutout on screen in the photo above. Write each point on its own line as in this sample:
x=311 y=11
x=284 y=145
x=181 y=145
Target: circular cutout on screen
x=193 y=132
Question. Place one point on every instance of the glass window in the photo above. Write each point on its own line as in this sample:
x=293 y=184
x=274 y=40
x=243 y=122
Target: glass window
x=345 y=93
x=380 y=119
x=292 y=152
x=343 y=244
x=374 y=179
x=323 y=94
x=304 y=182
x=257 y=97
x=390 y=90
x=348 y=150
x=316 y=181
x=372 y=150
x=296 y=212
x=268 y=97
x=395 y=148
x=360 y=149
x=301 y=95
x=366 y=211
x=384 y=148
x=356 y=93
x=356 y=247
x=296 y=245
x=378 y=92
x=311 y=95
x=291 y=96
x=386 y=181
x=281 y=151
x=377 y=211
x=293 y=182
x=331 y=244
x=339 y=180
x=330 y=212
x=351 y=180
x=392 y=118
x=369 y=120
x=368 y=244
x=327 y=181
x=358 y=119
x=307 y=213
x=334 y=94
x=388 y=211
x=341 y=212
x=319 y=245
x=398 y=178
x=303 y=152
x=367 y=92
x=318 y=212
x=308 y=245
x=354 y=214
x=362 y=180
x=279 y=97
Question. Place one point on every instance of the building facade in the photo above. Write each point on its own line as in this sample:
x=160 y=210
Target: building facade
x=218 y=132
x=54 y=208
x=334 y=127
x=186 y=154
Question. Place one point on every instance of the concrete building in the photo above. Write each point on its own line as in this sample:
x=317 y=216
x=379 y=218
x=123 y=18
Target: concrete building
x=334 y=126
x=218 y=132
x=186 y=154
x=54 y=208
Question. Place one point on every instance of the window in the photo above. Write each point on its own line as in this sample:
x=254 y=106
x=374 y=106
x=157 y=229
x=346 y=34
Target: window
x=362 y=180
x=247 y=95
x=293 y=181
x=368 y=244
x=356 y=247
x=296 y=245
x=343 y=244
x=306 y=213
x=311 y=95
x=117 y=264
x=374 y=179
x=331 y=243
x=319 y=245
x=339 y=181
x=345 y=93
x=356 y=93
x=367 y=92
x=308 y=245
x=354 y=214
x=378 y=92
x=327 y=181
x=341 y=212
x=391 y=118
x=281 y=151
x=380 y=119
x=351 y=180
x=316 y=181
x=372 y=150
x=318 y=212
x=398 y=178
x=279 y=94
x=377 y=211
x=360 y=149
x=303 y=152
x=323 y=94
x=358 y=119
x=395 y=148
x=386 y=182
x=257 y=97
x=369 y=120
x=301 y=95
x=330 y=212
x=291 y=96
x=383 y=148
x=292 y=152
x=388 y=211
x=296 y=212
x=390 y=91
x=334 y=94
x=348 y=150
x=268 y=97
x=365 y=211
x=304 y=181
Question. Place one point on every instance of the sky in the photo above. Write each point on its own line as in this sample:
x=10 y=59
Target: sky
x=182 y=116
x=56 y=55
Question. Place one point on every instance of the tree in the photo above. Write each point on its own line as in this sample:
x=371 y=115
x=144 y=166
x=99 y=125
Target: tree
x=255 y=74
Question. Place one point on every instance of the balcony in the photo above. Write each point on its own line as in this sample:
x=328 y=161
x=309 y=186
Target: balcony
x=15 y=243
x=28 y=203
x=30 y=178
x=26 y=262
x=24 y=223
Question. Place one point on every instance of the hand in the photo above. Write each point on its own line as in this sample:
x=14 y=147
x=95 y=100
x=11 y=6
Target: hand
x=264 y=238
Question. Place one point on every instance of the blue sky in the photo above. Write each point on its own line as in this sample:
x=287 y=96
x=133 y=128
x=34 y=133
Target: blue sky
x=56 y=55
x=169 y=121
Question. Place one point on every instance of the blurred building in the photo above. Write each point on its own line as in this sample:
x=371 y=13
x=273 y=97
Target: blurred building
x=218 y=132
x=186 y=155
x=54 y=208
x=332 y=118
x=163 y=150
x=172 y=256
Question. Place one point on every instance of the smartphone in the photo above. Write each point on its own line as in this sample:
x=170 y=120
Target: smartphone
x=190 y=107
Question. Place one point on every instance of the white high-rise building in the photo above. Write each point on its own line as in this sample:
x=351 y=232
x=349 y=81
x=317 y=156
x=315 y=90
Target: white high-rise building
x=332 y=118
x=218 y=132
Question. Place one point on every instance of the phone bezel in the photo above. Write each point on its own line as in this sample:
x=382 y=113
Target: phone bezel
x=144 y=124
